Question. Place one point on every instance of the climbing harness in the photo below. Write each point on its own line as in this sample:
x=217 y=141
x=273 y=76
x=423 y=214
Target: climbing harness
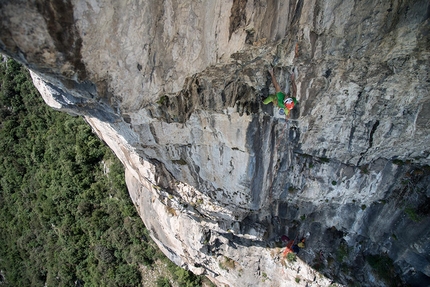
x=282 y=112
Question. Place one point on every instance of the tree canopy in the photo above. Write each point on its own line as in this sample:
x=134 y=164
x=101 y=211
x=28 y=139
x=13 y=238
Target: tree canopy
x=65 y=215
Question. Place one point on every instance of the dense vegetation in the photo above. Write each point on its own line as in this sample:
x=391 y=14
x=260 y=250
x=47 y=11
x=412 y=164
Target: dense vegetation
x=65 y=215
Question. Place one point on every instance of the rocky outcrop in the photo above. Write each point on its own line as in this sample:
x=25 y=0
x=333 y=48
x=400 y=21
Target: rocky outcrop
x=175 y=89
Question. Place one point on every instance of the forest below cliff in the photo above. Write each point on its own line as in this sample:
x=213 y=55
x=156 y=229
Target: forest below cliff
x=65 y=214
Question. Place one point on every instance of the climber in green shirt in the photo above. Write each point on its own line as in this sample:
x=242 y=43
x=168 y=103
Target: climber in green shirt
x=281 y=100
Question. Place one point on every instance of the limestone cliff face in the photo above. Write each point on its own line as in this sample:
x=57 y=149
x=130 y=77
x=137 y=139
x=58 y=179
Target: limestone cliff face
x=175 y=89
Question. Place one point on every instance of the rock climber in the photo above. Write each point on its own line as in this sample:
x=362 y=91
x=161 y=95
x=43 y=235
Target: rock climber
x=288 y=248
x=295 y=249
x=302 y=243
x=291 y=247
x=279 y=99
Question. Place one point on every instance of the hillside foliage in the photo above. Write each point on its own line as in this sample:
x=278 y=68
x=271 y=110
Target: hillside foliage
x=65 y=215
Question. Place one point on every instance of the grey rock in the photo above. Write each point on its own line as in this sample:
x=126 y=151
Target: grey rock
x=175 y=89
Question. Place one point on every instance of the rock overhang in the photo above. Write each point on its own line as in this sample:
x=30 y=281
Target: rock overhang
x=350 y=166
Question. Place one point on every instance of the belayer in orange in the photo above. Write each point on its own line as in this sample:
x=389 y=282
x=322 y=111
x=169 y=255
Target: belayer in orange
x=285 y=102
x=288 y=248
x=291 y=247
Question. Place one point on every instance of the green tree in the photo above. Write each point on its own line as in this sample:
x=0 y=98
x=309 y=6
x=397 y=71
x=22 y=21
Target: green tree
x=64 y=220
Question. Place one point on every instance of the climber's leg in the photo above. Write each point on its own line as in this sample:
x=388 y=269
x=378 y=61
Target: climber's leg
x=269 y=99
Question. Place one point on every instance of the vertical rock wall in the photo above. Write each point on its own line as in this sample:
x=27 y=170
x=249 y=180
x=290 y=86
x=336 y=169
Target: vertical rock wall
x=175 y=89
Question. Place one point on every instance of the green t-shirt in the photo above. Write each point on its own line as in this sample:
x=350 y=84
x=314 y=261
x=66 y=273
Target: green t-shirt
x=281 y=98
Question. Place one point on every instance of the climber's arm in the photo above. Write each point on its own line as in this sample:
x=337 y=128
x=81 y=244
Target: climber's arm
x=293 y=86
x=275 y=83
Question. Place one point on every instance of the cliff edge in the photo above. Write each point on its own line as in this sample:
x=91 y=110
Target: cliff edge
x=175 y=89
